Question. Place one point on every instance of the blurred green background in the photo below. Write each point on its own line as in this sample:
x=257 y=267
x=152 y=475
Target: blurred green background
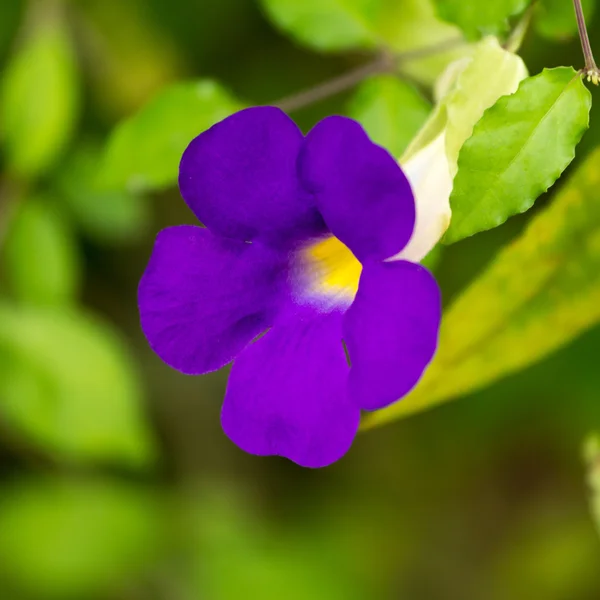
x=116 y=481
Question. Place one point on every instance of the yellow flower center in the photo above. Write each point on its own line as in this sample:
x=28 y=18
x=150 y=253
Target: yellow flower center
x=336 y=269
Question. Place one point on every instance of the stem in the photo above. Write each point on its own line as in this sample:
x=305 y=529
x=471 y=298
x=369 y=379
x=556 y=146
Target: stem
x=383 y=63
x=335 y=86
x=10 y=196
x=591 y=69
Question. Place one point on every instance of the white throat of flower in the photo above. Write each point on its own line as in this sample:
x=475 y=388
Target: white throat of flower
x=428 y=172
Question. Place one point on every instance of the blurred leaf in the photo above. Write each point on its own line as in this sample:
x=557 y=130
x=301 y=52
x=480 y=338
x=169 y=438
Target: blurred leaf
x=550 y=554
x=105 y=215
x=409 y=25
x=531 y=136
x=555 y=19
x=464 y=92
x=74 y=539
x=390 y=110
x=592 y=457
x=225 y=538
x=539 y=294
x=40 y=100
x=327 y=24
x=400 y=25
x=130 y=57
x=10 y=15
x=480 y=17
x=41 y=255
x=144 y=151
x=68 y=386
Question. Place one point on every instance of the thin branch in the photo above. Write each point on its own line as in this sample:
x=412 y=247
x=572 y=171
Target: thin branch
x=383 y=63
x=337 y=85
x=427 y=51
x=10 y=195
x=591 y=69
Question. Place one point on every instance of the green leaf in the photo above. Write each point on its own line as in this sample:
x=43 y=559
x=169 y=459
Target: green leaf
x=400 y=25
x=114 y=216
x=412 y=25
x=464 y=91
x=76 y=539
x=517 y=151
x=41 y=255
x=480 y=17
x=391 y=111
x=144 y=151
x=68 y=386
x=327 y=24
x=539 y=294
x=474 y=92
x=555 y=19
x=39 y=104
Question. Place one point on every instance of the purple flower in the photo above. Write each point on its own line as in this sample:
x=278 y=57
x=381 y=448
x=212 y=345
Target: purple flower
x=291 y=278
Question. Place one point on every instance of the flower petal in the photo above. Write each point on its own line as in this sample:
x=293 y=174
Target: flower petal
x=203 y=298
x=287 y=393
x=429 y=174
x=391 y=331
x=240 y=180
x=362 y=193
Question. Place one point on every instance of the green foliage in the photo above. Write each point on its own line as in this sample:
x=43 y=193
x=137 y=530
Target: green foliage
x=105 y=215
x=480 y=17
x=327 y=24
x=39 y=104
x=72 y=539
x=71 y=401
x=67 y=385
x=464 y=92
x=144 y=151
x=474 y=92
x=592 y=457
x=399 y=25
x=269 y=564
x=555 y=19
x=552 y=554
x=532 y=136
x=10 y=16
x=40 y=255
x=409 y=25
x=391 y=111
x=540 y=293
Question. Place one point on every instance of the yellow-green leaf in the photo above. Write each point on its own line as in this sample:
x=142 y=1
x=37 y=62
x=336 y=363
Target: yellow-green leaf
x=115 y=216
x=76 y=538
x=41 y=256
x=67 y=385
x=539 y=294
x=592 y=457
x=40 y=102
